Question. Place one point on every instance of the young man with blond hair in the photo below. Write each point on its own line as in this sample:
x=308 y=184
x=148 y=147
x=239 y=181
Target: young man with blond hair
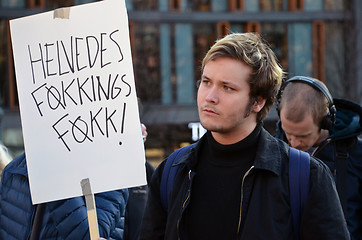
x=233 y=183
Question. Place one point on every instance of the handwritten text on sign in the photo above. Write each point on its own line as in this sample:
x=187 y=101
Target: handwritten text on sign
x=78 y=100
x=51 y=60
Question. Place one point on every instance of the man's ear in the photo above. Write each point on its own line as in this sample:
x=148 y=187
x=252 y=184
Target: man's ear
x=259 y=104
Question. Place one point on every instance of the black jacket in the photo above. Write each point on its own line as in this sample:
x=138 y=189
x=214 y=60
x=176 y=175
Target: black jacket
x=342 y=153
x=136 y=207
x=265 y=203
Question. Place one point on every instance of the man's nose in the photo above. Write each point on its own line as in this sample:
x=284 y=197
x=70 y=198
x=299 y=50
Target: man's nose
x=212 y=95
x=294 y=142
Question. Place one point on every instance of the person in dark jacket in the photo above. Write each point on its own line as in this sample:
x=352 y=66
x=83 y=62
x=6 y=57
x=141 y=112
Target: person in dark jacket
x=311 y=120
x=58 y=220
x=137 y=201
x=233 y=183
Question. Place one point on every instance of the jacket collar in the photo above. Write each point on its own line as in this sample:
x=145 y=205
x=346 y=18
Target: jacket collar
x=190 y=157
x=268 y=156
x=18 y=166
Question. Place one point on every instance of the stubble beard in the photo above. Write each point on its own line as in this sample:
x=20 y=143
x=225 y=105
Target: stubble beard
x=222 y=129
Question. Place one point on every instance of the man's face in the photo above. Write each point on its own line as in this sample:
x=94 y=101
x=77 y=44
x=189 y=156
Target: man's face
x=223 y=97
x=301 y=135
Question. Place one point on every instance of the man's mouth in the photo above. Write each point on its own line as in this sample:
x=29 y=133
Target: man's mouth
x=209 y=111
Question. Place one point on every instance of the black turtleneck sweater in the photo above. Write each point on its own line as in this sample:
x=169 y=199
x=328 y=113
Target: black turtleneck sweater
x=214 y=208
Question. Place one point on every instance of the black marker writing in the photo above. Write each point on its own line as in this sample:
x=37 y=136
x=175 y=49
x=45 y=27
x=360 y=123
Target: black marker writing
x=60 y=58
x=33 y=61
x=78 y=87
x=79 y=91
x=82 y=128
x=101 y=123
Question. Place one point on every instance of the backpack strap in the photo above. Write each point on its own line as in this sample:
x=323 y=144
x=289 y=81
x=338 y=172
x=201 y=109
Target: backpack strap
x=169 y=174
x=341 y=156
x=299 y=171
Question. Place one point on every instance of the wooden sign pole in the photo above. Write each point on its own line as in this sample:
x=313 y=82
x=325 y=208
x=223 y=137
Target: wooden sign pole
x=91 y=209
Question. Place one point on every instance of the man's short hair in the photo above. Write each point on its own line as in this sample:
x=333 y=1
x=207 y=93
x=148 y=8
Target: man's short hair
x=249 y=48
x=299 y=98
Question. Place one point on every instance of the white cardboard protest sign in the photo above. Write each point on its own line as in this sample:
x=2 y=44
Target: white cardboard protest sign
x=78 y=100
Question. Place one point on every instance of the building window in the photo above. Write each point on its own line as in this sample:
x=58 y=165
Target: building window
x=49 y=4
x=146 y=61
x=53 y=4
x=333 y=5
x=223 y=29
x=7 y=83
x=276 y=35
x=335 y=59
x=296 y=5
x=318 y=50
x=204 y=38
x=271 y=5
x=175 y=5
x=252 y=27
x=35 y=4
x=9 y=97
x=236 y=5
x=148 y=5
x=199 y=5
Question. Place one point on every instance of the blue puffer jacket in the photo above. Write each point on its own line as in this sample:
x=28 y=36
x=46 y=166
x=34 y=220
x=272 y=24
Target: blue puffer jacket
x=345 y=145
x=63 y=219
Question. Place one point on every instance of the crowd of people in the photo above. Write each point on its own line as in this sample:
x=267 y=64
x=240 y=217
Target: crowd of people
x=233 y=183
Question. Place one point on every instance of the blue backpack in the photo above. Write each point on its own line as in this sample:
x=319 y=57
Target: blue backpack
x=299 y=170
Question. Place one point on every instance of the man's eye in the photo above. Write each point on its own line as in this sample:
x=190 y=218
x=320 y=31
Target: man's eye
x=205 y=82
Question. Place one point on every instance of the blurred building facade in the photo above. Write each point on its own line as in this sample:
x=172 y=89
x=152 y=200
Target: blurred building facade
x=318 y=38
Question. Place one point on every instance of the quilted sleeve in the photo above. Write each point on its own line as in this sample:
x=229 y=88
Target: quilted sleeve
x=70 y=215
x=111 y=212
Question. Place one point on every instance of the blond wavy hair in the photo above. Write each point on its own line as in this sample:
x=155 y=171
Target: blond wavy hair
x=249 y=48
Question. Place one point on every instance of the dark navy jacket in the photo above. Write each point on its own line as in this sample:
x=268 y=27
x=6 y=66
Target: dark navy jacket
x=342 y=151
x=136 y=207
x=265 y=205
x=63 y=219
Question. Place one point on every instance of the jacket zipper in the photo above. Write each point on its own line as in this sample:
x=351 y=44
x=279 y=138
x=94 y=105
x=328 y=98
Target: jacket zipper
x=184 y=203
x=188 y=193
x=241 y=200
x=318 y=149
